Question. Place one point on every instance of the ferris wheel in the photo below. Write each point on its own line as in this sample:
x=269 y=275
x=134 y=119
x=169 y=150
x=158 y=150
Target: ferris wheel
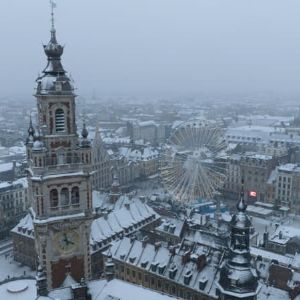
x=194 y=165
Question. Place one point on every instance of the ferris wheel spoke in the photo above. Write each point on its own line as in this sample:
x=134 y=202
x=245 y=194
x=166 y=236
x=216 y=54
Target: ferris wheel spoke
x=193 y=164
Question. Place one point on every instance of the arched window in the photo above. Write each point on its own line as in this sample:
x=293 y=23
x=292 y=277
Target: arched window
x=64 y=197
x=53 y=198
x=75 y=195
x=59 y=120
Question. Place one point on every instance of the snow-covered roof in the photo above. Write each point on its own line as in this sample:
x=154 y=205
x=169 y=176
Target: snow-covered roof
x=171 y=226
x=25 y=289
x=143 y=154
x=19 y=183
x=5 y=167
x=25 y=227
x=159 y=260
x=128 y=216
x=289 y=168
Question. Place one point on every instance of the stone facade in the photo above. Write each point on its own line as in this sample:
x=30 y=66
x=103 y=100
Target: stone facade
x=14 y=202
x=59 y=176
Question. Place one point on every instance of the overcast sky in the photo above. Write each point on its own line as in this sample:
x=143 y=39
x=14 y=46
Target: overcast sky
x=153 y=47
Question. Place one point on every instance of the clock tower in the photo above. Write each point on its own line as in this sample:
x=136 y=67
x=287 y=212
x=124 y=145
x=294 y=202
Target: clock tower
x=59 y=171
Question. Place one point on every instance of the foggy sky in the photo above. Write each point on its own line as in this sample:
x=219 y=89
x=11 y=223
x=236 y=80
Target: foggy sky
x=152 y=47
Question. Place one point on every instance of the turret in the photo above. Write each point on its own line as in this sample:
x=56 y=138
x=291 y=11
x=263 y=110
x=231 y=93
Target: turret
x=54 y=79
x=238 y=279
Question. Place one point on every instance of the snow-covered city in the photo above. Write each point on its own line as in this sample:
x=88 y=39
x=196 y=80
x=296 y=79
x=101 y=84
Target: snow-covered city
x=155 y=196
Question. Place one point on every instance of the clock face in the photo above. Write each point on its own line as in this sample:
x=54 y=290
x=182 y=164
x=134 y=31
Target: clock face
x=66 y=241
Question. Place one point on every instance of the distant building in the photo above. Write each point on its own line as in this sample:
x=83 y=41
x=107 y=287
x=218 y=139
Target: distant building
x=254 y=170
x=101 y=164
x=149 y=131
x=287 y=186
x=14 y=202
x=10 y=171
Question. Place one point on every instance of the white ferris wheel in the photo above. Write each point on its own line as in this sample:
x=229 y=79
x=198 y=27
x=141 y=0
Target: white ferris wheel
x=194 y=165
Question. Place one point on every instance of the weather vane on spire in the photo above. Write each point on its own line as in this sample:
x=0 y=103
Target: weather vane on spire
x=53 y=5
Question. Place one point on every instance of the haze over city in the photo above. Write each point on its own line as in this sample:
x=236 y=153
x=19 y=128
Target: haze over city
x=150 y=150
x=169 y=47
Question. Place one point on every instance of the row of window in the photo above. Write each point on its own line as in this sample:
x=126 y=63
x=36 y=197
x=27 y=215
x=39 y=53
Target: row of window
x=64 y=198
x=12 y=195
x=155 y=283
x=284 y=179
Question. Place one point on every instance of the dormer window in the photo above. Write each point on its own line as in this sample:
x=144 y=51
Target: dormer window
x=59 y=120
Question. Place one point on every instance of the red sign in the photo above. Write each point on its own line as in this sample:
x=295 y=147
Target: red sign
x=252 y=194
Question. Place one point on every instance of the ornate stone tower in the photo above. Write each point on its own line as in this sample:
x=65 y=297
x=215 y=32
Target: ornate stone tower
x=59 y=164
x=238 y=280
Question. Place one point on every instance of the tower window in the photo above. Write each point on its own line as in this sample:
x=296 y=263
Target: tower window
x=64 y=197
x=75 y=195
x=59 y=120
x=53 y=198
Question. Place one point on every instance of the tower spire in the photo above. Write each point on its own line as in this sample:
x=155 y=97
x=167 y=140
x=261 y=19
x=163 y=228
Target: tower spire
x=238 y=279
x=54 y=79
x=53 y=5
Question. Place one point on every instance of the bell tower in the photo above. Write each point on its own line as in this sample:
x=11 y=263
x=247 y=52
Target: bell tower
x=238 y=279
x=59 y=174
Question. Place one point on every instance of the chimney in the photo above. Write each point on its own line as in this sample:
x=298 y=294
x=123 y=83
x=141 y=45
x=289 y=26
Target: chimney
x=172 y=228
x=80 y=291
x=265 y=238
x=186 y=257
x=145 y=240
x=172 y=250
x=143 y=199
x=201 y=262
x=187 y=277
x=202 y=283
x=157 y=245
x=132 y=239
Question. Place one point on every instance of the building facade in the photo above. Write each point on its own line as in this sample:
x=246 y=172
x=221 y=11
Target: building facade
x=287 y=186
x=14 y=202
x=101 y=164
x=59 y=167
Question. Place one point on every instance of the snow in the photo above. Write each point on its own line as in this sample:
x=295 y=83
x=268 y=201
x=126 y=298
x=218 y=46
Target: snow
x=127 y=213
x=6 y=167
x=54 y=176
x=21 y=181
x=269 y=256
x=69 y=281
x=58 y=218
x=289 y=168
x=259 y=210
x=25 y=226
x=11 y=268
x=24 y=289
x=103 y=290
x=272 y=293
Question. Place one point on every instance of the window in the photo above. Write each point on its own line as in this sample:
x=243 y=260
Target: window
x=60 y=157
x=75 y=195
x=64 y=197
x=59 y=120
x=54 y=198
